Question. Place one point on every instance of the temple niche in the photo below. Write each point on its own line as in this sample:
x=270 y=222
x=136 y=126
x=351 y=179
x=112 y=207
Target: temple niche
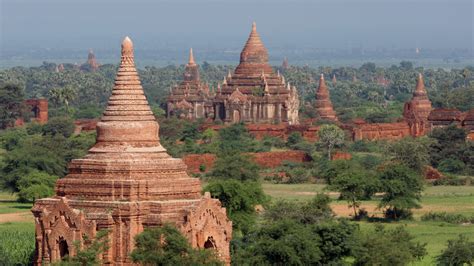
x=323 y=102
x=417 y=110
x=254 y=92
x=191 y=99
x=127 y=182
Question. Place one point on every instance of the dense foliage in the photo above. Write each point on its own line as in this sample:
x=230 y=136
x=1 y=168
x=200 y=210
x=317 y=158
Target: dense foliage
x=167 y=246
x=458 y=252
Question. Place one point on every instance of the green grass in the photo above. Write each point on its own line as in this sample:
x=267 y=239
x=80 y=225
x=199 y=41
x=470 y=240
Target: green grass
x=8 y=204
x=17 y=243
x=434 y=234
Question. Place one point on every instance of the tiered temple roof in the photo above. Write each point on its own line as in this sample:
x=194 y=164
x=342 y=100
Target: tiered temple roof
x=91 y=62
x=323 y=102
x=191 y=93
x=125 y=183
x=254 y=76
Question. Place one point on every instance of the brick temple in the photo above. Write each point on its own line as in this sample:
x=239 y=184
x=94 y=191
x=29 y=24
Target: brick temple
x=127 y=182
x=323 y=102
x=253 y=93
x=191 y=99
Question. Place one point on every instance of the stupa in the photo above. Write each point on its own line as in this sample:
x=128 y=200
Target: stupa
x=91 y=63
x=323 y=102
x=190 y=99
x=417 y=110
x=126 y=182
x=254 y=92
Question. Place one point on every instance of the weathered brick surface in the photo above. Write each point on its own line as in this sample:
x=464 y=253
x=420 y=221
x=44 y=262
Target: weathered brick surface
x=127 y=182
x=263 y=159
x=341 y=156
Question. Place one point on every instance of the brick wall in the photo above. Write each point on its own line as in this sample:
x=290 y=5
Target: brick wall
x=263 y=159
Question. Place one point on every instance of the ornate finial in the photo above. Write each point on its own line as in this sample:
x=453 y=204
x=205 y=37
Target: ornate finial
x=219 y=87
x=229 y=75
x=224 y=82
x=191 y=57
x=283 y=81
x=127 y=47
x=322 y=76
x=278 y=72
x=254 y=26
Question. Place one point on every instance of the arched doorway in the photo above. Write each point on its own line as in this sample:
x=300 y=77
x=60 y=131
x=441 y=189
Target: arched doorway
x=236 y=116
x=63 y=248
x=210 y=244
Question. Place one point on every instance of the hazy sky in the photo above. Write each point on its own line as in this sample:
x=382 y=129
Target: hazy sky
x=226 y=23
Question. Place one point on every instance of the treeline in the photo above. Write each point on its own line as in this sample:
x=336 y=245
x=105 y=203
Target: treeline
x=358 y=92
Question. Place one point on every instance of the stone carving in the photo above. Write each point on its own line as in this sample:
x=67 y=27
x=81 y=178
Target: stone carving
x=126 y=182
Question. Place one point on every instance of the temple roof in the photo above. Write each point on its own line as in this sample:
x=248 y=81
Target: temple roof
x=420 y=87
x=128 y=101
x=254 y=56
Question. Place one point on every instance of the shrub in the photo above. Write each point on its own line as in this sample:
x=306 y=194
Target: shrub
x=450 y=180
x=453 y=218
x=59 y=125
x=387 y=247
x=458 y=252
x=167 y=246
x=451 y=165
x=35 y=185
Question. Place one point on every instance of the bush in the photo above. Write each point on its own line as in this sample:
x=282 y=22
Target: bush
x=451 y=165
x=59 y=125
x=235 y=166
x=167 y=246
x=458 y=252
x=239 y=199
x=387 y=247
x=450 y=180
x=35 y=185
x=452 y=218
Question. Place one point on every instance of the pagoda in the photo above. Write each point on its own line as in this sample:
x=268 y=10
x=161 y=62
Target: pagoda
x=190 y=99
x=127 y=182
x=254 y=92
x=417 y=110
x=323 y=102
x=91 y=63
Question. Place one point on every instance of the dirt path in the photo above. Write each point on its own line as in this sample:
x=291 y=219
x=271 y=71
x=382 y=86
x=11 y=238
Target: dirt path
x=16 y=217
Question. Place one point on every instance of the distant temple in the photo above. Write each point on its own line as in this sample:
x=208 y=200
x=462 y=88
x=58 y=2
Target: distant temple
x=323 y=102
x=190 y=99
x=417 y=110
x=91 y=63
x=127 y=182
x=254 y=93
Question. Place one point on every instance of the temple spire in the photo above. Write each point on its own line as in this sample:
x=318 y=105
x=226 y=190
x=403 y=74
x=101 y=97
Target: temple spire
x=322 y=84
x=191 y=58
x=420 y=85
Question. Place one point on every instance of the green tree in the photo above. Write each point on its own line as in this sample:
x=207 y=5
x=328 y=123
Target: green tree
x=235 y=166
x=284 y=242
x=35 y=185
x=167 y=246
x=59 y=125
x=354 y=187
x=411 y=152
x=313 y=211
x=239 y=199
x=387 y=247
x=458 y=252
x=330 y=136
x=11 y=105
x=401 y=189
